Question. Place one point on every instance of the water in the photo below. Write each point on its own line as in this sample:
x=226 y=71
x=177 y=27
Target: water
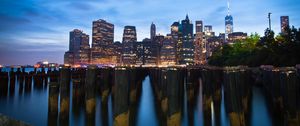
x=32 y=108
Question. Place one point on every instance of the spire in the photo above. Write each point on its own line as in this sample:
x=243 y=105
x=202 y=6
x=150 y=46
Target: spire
x=187 y=17
x=228 y=8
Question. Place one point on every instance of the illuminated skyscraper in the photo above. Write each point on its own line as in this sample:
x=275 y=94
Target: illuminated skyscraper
x=103 y=33
x=129 y=50
x=168 y=51
x=79 y=48
x=102 y=42
x=228 y=22
x=199 y=26
x=152 y=31
x=187 y=49
x=200 y=48
x=175 y=39
x=284 y=22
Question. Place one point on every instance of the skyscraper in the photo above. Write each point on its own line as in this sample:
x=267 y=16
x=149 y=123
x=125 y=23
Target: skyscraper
x=228 y=22
x=175 y=39
x=152 y=31
x=200 y=48
x=79 y=48
x=187 y=49
x=199 y=26
x=129 y=50
x=102 y=42
x=284 y=22
x=168 y=51
x=103 y=33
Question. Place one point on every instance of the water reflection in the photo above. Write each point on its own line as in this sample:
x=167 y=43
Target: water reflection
x=157 y=97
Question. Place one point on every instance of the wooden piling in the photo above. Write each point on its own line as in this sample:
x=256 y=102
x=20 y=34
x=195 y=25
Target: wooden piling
x=64 y=96
x=121 y=98
x=90 y=100
x=53 y=103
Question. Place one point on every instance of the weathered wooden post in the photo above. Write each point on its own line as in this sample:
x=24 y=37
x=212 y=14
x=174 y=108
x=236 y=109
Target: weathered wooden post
x=90 y=100
x=4 y=84
x=173 y=97
x=12 y=81
x=290 y=84
x=64 y=96
x=53 y=103
x=121 y=98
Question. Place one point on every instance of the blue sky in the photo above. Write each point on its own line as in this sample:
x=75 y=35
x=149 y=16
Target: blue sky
x=35 y=30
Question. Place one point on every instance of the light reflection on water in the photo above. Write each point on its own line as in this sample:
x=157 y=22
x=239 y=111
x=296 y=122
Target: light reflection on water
x=32 y=107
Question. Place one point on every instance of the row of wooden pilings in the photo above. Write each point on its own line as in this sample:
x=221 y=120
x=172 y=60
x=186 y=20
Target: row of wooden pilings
x=25 y=80
x=123 y=83
x=283 y=89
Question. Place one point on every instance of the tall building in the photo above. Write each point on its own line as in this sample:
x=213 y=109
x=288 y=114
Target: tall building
x=228 y=22
x=284 y=22
x=103 y=33
x=102 y=43
x=199 y=26
x=168 y=51
x=187 y=48
x=79 y=49
x=200 y=49
x=129 y=50
x=175 y=39
x=152 y=31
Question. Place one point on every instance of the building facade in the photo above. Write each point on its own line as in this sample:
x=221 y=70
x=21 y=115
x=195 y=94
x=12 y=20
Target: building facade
x=186 y=50
x=200 y=49
x=284 y=23
x=168 y=51
x=79 y=49
x=129 y=56
x=102 y=51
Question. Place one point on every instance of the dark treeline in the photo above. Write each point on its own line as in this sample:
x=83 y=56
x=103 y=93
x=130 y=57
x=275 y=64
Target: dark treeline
x=280 y=50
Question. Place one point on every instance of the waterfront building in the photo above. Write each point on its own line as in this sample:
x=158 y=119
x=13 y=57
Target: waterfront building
x=79 y=48
x=186 y=50
x=129 y=50
x=102 y=51
x=200 y=48
x=168 y=51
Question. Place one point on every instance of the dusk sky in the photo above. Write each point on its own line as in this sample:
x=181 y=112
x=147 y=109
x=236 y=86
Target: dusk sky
x=36 y=30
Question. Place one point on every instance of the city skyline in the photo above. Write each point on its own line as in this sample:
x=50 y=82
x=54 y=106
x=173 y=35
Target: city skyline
x=35 y=39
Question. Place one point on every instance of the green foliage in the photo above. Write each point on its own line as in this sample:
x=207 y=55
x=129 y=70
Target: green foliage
x=282 y=50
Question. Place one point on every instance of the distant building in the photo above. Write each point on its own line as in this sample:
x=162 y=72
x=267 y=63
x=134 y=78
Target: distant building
x=168 y=51
x=102 y=43
x=186 y=50
x=212 y=44
x=284 y=22
x=208 y=31
x=232 y=37
x=200 y=49
x=129 y=50
x=152 y=31
x=199 y=26
x=79 y=49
